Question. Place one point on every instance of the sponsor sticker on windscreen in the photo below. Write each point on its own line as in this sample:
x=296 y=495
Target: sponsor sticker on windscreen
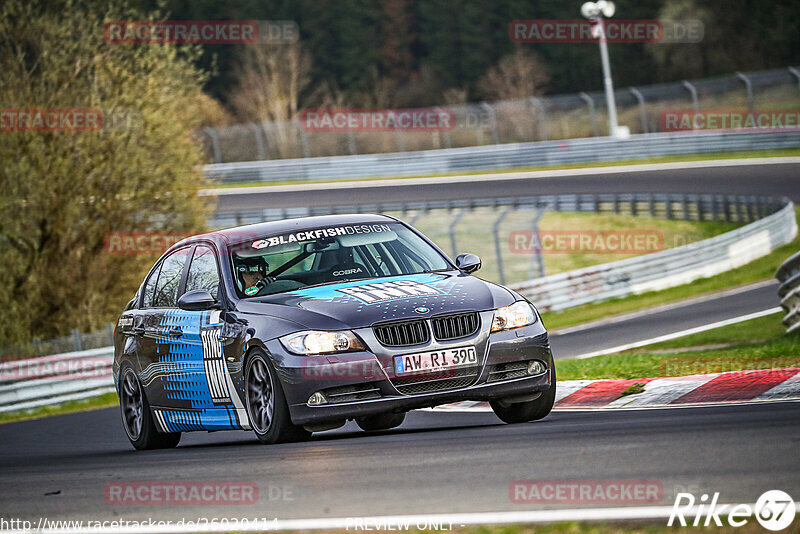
x=434 y=361
x=319 y=233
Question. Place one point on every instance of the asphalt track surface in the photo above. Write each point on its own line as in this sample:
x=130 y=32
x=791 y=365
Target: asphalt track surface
x=778 y=179
x=439 y=462
x=436 y=462
x=674 y=318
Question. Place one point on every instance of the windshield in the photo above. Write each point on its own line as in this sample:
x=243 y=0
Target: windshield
x=292 y=260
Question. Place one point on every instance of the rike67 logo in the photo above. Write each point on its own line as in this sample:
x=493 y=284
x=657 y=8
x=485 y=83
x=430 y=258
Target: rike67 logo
x=774 y=510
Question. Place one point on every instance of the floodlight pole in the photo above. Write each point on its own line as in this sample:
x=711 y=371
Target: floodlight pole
x=609 y=84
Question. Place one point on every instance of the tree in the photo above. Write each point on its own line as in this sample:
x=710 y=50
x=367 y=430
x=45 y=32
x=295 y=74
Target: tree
x=520 y=74
x=64 y=192
x=269 y=80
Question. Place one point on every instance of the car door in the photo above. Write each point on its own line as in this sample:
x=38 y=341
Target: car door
x=159 y=333
x=200 y=394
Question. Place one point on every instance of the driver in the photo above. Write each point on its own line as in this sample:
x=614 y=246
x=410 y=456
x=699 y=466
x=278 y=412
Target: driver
x=253 y=273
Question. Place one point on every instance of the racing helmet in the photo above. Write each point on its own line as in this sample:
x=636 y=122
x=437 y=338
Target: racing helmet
x=253 y=264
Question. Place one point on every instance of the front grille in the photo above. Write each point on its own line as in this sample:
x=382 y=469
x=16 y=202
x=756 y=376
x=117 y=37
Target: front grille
x=508 y=371
x=455 y=326
x=441 y=381
x=357 y=392
x=402 y=334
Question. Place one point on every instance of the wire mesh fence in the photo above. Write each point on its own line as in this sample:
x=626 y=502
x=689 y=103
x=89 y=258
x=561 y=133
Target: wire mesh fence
x=512 y=121
x=76 y=341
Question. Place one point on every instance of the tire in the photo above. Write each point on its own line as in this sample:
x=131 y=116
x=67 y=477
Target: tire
x=266 y=403
x=137 y=418
x=383 y=421
x=524 y=412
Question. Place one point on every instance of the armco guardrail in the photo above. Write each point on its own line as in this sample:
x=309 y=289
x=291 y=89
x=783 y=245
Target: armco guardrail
x=54 y=379
x=493 y=157
x=789 y=276
x=664 y=269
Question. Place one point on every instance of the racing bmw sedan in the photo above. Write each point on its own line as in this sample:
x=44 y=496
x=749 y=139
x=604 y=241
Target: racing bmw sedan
x=296 y=326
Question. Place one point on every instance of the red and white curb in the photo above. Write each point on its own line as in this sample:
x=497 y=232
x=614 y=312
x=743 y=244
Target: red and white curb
x=694 y=390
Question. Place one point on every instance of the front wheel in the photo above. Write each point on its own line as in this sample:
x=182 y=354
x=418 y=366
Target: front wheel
x=266 y=404
x=137 y=418
x=533 y=410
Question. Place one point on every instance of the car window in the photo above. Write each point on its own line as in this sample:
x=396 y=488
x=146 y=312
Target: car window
x=168 y=280
x=203 y=272
x=150 y=288
x=292 y=260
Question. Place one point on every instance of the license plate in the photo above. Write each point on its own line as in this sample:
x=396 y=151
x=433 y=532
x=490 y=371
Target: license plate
x=433 y=361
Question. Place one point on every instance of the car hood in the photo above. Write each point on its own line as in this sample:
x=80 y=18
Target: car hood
x=362 y=303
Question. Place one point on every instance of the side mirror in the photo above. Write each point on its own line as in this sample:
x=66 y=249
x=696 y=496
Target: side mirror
x=197 y=300
x=469 y=263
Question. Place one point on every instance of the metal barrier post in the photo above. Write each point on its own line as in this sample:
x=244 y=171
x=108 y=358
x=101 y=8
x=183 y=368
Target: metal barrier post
x=303 y=138
x=541 y=118
x=351 y=143
x=215 y=148
x=590 y=104
x=260 y=142
x=796 y=74
x=498 y=249
x=689 y=87
x=76 y=340
x=536 y=268
x=642 y=110
x=492 y=121
x=452 y=230
x=749 y=87
x=398 y=137
x=444 y=134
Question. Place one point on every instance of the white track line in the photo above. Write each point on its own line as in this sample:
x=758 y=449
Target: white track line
x=664 y=307
x=421 y=521
x=682 y=333
x=496 y=176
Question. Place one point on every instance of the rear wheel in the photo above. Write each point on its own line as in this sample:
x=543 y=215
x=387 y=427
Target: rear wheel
x=383 y=421
x=266 y=404
x=137 y=418
x=533 y=410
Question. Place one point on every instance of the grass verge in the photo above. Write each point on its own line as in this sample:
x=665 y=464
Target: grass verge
x=756 y=271
x=756 y=344
x=474 y=233
x=788 y=152
x=94 y=403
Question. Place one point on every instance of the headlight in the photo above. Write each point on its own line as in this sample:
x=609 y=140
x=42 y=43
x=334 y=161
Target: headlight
x=515 y=316
x=315 y=342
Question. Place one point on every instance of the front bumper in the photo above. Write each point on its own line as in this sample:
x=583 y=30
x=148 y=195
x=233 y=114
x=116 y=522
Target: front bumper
x=373 y=371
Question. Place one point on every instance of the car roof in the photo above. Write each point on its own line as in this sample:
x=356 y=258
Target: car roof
x=253 y=231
